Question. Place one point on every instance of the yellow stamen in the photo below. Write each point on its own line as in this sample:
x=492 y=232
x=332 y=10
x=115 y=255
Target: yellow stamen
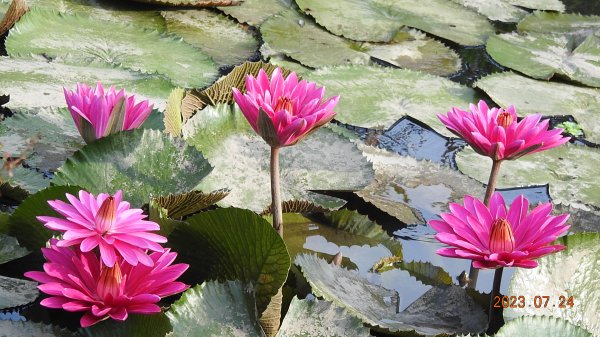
x=505 y=119
x=284 y=103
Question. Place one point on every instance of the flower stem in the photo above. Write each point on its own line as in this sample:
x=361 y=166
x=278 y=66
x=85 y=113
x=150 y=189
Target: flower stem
x=276 y=192
x=496 y=319
x=491 y=187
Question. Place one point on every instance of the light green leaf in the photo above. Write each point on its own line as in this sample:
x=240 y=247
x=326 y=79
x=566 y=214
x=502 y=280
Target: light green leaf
x=155 y=325
x=411 y=190
x=215 y=309
x=322 y=161
x=173 y=119
x=234 y=244
x=376 y=97
x=254 y=12
x=440 y=310
x=16 y=292
x=29 y=180
x=122 y=45
x=547 y=98
x=548 y=22
x=142 y=163
x=301 y=39
x=379 y=20
x=27 y=329
x=567 y=273
x=38 y=83
x=30 y=232
x=534 y=326
x=510 y=10
x=115 y=12
x=542 y=56
x=570 y=170
x=10 y=249
x=425 y=272
x=225 y=41
x=316 y=318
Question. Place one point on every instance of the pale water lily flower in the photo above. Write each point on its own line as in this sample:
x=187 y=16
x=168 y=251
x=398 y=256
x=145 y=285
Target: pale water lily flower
x=100 y=112
x=106 y=222
x=78 y=281
x=497 y=236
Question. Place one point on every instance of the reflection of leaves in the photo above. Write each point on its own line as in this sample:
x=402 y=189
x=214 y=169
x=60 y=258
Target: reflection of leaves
x=425 y=272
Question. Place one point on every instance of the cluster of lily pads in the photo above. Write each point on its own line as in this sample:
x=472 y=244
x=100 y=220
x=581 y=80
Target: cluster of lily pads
x=385 y=59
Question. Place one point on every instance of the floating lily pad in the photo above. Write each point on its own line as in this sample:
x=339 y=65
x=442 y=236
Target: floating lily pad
x=38 y=83
x=425 y=272
x=30 y=232
x=254 y=12
x=546 y=22
x=81 y=40
x=582 y=218
x=376 y=97
x=142 y=163
x=301 y=39
x=27 y=329
x=287 y=63
x=27 y=179
x=322 y=161
x=234 y=244
x=379 y=20
x=445 y=309
x=533 y=326
x=570 y=170
x=316 y=318
x=16 y=292
x=215 y=309
x=224 y=40
x=116 y=12
x=414 y=191
x=510 y=10
x=155 y=325
x=547 y=98
x=10 y=249
x=567 y=273
x=543 y=55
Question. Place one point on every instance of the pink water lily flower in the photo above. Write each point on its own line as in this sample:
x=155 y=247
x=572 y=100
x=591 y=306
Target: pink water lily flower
x=106 y=222
x=292 y=108
x=79 y=282
x=99 y=112
x=499 y=237
x=497 y=134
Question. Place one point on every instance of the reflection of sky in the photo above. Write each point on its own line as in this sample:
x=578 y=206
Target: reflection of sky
x=11 y=316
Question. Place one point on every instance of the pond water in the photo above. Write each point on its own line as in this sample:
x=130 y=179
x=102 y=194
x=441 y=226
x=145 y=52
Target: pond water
x=407 y=137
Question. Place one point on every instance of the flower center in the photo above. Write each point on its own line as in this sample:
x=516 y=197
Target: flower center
x=110 y=281
x=501 y=238
x=505 y=119
x=284 y=103
x=105 y=218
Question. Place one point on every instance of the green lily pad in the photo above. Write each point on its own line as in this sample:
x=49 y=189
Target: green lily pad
x=301 y=39
x=322 y=161
x=10 y=249
x=567 y=273
x=254 y=12
x=215 y=309
x=436 y=312
x=173 y=118
x=285 y=62
x=425 y=272
x=116 y=12
x=225 y=41
x=23 y=223
x=27 y=329
x=38 y=83
x=582 y=218
x=26 y=179
x=142 y=163
x=542 y=56
x=380 y=20
x=121 y=45
x=316 y=318
x=376 y=97
x=547 y=22
x=547 y=98
x=510 y=10
x=570 y=170
x=533 y=326
x=4 y=224
x=155 y=325
x=233 y=244
x=183 y=204
x=411 y=190
x=16 y=292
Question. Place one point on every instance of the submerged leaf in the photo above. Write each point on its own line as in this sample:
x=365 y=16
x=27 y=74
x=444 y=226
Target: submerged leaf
x=563 y=274
x=142 y=163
